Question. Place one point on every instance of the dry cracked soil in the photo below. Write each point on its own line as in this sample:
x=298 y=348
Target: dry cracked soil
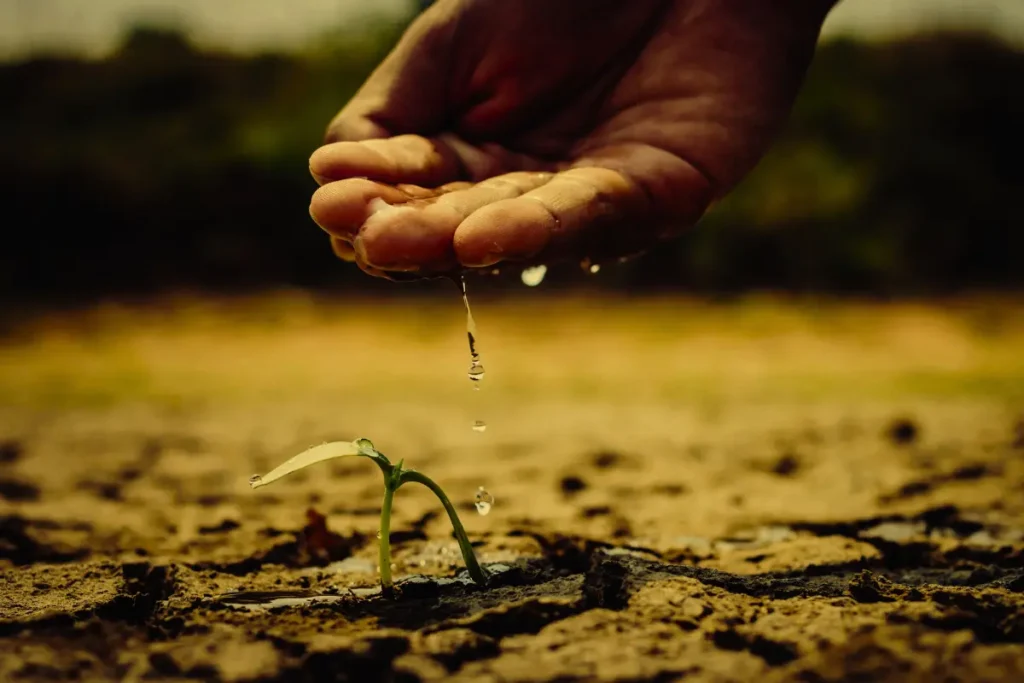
x=757 y=493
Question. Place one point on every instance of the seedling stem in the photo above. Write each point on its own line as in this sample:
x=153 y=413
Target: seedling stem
x=394 y=477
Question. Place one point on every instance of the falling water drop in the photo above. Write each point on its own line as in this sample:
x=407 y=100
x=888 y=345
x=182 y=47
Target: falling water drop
x=594 y=267
x=534 y=276
x=476 y=368
x=484 y=501
x=476 y=372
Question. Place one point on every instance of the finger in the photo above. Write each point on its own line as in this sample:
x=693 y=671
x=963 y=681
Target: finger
x=417 y=192
x=410 y=159
x=418 y=160
x=340 y=208
x=343 y=249
x=549 y=218
x=419 y=235
x=614 y=200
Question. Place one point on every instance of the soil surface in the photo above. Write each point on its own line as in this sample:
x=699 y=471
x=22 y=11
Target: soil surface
x=754 y=492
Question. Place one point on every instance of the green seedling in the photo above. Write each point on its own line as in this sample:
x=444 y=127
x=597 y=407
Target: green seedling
x=395 y=475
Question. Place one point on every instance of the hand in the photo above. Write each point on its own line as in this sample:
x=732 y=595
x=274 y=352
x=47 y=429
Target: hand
x=535 y=131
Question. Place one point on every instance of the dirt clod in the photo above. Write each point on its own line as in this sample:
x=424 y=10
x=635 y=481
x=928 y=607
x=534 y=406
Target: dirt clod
x=10 y=451
x=571 y=485
x=607 y=459
x=787 y=465
x=903 y=431
x=18 y=491
x=869 y=587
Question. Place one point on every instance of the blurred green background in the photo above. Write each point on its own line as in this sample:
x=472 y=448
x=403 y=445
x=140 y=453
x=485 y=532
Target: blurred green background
x=173 y=162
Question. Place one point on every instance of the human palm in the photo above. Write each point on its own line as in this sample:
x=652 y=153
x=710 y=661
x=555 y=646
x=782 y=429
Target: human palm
x=528 y=130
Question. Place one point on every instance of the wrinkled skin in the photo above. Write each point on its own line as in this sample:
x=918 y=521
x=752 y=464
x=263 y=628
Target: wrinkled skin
x=532 y=131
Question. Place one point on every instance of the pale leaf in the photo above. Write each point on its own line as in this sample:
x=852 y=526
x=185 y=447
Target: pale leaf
x=325 y=451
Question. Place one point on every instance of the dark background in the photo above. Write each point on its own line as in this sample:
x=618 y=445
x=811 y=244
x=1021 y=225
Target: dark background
x=166 y=168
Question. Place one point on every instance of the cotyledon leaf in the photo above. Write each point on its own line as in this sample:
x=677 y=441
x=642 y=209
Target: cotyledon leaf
x=311 y=456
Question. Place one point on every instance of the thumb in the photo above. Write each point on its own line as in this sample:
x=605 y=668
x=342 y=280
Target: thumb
x=406 y=93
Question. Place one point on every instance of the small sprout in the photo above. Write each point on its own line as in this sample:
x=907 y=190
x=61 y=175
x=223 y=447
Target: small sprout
x=395 y=475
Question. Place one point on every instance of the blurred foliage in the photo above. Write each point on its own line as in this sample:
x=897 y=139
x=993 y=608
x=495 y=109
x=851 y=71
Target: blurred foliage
x=165 y=167
x=899 y=172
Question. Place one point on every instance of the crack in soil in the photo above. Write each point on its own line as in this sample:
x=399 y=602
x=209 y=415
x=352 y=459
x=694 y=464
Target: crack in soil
x=481 y=618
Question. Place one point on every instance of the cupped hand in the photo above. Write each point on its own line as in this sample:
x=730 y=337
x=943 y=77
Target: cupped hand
x=535 y=131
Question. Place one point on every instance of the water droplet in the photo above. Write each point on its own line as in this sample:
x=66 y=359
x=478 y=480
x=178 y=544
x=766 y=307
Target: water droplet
x=495 y=271
x=594 y=267
x=393 y=566
x=254 y=480
x=476 y=371
x=378 y=534
x=534 y=276
x=484 y=501
x=476 y=368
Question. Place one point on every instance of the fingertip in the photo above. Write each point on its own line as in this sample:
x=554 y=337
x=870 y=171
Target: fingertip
x=347 y=127
x=314 y=209
x=318 y=164
x=315 y=165
x=323 y=211
x=342 y=249
x=403 y=239
x=340 y=207
x=507 y=230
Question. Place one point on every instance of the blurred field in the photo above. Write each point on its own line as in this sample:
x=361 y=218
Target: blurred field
x=295 y=346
